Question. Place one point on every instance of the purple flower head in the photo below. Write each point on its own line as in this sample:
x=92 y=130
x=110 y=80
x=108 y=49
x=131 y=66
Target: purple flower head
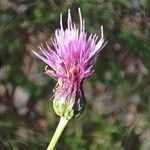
x=71 y=61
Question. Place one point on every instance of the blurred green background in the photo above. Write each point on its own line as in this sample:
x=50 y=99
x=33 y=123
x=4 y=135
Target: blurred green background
x=117 y=116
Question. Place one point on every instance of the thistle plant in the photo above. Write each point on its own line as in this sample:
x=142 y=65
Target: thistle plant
x=70 y=62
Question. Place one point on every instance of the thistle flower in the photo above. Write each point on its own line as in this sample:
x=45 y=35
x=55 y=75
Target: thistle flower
x=71 y=61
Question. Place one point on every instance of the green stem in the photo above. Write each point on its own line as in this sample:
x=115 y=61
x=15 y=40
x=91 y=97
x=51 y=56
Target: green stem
x=62 y=123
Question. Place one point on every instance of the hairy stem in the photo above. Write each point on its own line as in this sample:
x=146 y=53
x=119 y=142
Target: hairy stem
x=62 y=123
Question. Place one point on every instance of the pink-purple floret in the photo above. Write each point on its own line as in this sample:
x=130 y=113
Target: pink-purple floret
x=74 y=53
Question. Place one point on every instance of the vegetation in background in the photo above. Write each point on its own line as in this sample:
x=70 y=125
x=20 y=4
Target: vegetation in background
x=117 y=95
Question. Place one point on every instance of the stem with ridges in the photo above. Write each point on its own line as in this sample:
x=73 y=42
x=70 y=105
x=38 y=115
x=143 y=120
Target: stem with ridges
x=62 y=123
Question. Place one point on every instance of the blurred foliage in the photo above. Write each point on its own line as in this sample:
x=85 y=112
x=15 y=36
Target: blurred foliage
x=118 y=100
